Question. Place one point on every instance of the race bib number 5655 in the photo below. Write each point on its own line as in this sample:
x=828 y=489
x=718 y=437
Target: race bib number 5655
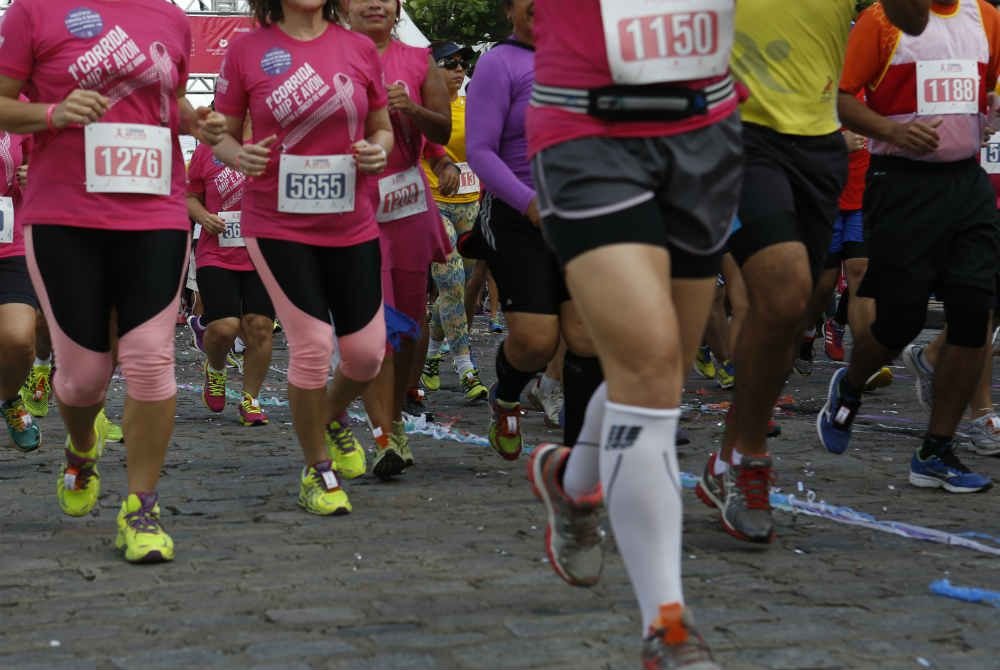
x=316 y=184
x=660 y=41
x=128 y=158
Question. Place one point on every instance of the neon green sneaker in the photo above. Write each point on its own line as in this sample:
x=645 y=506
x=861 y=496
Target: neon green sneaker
x=24 y=432
x=37 y=389
x=112 y=431
x=346 y=452
x=140 y=533
x=388 y=461
x=431 y=376
x=505 y=427
x=703 y=362
x=320 y=492
x=79 y=483
x=401 y=441
x=473 y=386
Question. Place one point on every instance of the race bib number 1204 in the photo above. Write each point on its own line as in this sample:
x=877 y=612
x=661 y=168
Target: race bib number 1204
x=6 y=221
x=128 y=158
x=661 y=41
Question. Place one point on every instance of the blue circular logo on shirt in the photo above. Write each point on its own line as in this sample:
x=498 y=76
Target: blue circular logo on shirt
x=217 y=161
x=276 y=61
x=84 y=23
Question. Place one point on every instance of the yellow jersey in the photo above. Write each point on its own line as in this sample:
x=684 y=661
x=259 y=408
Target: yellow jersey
x=456 y=152
x=790 y=54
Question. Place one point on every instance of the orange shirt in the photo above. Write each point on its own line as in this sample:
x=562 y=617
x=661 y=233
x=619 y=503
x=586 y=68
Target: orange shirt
x=873 y=40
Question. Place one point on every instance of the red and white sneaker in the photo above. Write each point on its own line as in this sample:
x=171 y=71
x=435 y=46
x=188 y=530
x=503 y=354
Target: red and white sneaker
x=574 y=540
x=673 y=643
x=833 y=340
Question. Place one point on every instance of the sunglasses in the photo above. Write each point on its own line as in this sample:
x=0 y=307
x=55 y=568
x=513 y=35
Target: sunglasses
x=453 y=64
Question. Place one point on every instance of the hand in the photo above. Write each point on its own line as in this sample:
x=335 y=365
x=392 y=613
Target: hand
x=22 y=176
x=916 y=136
x=80 y=108
x=399 y=100
x=252 y=159
x=211 y=125
x=533 y=214
x=854 y=141
x=212 y=224
x=448 y=175
x=371 y=157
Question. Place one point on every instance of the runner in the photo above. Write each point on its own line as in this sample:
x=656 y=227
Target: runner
x=107 y=182
x=234 y=296
x=927 y=98
x=532 y=291
x=638 y=169
x=456 y=191
x=790 y=56
x=409 y=222
x=314 y=93
x=18 y=303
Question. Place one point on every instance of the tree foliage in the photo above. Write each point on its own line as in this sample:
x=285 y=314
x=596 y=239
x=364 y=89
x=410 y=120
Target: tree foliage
x=462 y=21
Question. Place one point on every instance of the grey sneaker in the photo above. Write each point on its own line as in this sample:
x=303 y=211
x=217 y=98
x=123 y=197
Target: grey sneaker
x=711 y=488
x=924 y=378
x=746 y=509
x=574 y=540
x=549 y=402
x=984 y=435
x=674 y=644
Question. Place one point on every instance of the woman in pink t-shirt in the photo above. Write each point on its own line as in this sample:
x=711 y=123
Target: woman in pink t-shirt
x=234 y=296
x=320 y=126
x=18 y=304
x=106 y=232
x=412 y=235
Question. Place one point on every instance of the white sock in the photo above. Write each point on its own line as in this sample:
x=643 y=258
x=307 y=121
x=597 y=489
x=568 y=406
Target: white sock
x=924 y=363
x=810 y=332
x=720 y=465
x=736 y=458
x=463 y=364
x=239 y=346
x=642 y=491
x=434 y=347
x=39 y=361
x=583 y=470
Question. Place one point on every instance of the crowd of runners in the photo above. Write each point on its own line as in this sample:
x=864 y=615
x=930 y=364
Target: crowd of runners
x=644 y=188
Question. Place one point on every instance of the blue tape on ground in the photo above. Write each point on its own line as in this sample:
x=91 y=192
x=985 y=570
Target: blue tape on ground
x=943 y=587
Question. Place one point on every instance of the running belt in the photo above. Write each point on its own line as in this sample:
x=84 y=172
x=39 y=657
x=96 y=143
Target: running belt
x=635 y=103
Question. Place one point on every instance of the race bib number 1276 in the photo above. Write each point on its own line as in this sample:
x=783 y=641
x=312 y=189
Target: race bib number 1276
x=128 y=158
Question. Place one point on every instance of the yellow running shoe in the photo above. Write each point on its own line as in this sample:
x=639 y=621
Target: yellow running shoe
x=79 y=483
x=37 y=389
x=388 y=461
x=401 y=441
x=704 y=364
x=431 y=375
x=320 y=492
x=345 y=451
x=140 y=533
x=880 y=379
x=112 y=431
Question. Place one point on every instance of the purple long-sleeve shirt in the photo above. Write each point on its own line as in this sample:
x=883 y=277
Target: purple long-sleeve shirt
x=496 y=141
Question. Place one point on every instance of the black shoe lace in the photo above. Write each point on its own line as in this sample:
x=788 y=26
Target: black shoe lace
x=950 y=458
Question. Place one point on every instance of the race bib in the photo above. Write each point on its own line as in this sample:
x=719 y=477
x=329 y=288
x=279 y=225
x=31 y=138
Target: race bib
x=947 y=87
x=660 y=41
x=128 y=158
x=6 y=221
x=989 y=155
x=401 y=195
x=468 y=181
x=232 y=236
x=316 y=184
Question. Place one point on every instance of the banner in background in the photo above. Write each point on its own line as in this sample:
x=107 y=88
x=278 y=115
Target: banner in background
x=211 y=36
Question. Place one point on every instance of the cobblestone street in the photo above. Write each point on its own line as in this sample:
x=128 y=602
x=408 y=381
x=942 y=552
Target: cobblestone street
x=446 y=568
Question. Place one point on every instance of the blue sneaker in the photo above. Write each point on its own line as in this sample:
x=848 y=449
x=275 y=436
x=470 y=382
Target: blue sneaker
x=833 y=423
x=947 y=472
x=24 y=433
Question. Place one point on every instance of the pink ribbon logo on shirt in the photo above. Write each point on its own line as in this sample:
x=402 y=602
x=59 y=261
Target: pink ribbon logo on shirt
x=160 y=72
x=342 y=99
x=6 y=155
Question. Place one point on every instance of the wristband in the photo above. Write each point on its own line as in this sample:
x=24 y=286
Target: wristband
x=49 y=113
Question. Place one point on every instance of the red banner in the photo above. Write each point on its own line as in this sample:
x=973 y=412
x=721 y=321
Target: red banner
x=212 y=35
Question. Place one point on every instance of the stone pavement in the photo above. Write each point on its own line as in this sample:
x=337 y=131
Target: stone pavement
x=445 y=568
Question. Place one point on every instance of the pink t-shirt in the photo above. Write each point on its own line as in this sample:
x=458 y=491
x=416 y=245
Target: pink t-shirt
x=221 y=189
x=410 y=243
x=315 y=96
x=13 y=149
x=135 y=53
x=571 y=52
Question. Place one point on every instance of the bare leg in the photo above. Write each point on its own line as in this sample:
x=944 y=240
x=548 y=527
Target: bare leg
x=147 y=427
x=258 y=333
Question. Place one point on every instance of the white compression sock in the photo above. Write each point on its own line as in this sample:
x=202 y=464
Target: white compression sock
x=462 y=364
x=642 y=491
x=583 y=472
x=39 y=361
x=433 y=347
